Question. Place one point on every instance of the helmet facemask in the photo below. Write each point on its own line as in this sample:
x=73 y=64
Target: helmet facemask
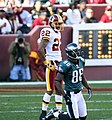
x=56 y=22
x=73 y=54
x=58 y=26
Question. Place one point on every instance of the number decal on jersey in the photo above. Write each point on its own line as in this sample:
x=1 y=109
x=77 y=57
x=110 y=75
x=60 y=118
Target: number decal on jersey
x=45 y=33
x=56 y=45
x=77 y=75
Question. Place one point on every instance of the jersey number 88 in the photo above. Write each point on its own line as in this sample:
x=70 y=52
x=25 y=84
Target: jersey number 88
x=77 y=75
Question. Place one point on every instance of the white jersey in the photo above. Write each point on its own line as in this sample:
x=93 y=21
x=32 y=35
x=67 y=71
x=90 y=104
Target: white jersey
x=52 y=49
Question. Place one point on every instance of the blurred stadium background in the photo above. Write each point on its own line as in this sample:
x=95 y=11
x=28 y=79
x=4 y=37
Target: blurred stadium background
x=22 y=100
x=95 y=40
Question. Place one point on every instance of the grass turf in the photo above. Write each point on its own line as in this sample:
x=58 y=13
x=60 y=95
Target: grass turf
x=27 y=105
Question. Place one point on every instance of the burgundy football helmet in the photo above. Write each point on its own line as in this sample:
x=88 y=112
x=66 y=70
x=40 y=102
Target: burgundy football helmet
x=56 y=22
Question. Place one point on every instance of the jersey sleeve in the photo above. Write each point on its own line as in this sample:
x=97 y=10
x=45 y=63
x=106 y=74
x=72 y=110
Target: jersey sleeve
x=45 y=34
x=63 y=67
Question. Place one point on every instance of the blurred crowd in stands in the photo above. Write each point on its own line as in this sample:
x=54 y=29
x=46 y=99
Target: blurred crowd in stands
x=14 y=17
x=67 y=2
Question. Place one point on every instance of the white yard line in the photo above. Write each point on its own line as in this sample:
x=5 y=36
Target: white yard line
x=39 y=95
x=31 y=111
x=21 y=83
x=100 y=82
x=100 y=109
x=19 y=111
x=99 y=101
x=43 y=83
x=24 y=103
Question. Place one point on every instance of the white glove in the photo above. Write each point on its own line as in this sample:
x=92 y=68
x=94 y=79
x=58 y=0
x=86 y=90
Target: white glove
x=89 y=93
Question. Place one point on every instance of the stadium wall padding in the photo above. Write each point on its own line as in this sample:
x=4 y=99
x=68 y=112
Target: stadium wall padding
x=32 y=38
x=92 y=73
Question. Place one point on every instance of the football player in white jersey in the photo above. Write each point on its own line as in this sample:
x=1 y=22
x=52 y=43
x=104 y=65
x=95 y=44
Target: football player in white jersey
x=50 y=53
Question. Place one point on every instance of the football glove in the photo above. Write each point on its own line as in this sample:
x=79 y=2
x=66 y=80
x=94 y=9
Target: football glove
x=49 y=65
x=53 y=113
x=89 y=93
x=67 y=99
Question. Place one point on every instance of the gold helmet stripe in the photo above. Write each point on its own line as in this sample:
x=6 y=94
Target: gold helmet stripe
x=48 y=79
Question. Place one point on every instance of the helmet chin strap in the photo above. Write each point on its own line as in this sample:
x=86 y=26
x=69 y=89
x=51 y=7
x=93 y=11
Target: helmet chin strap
x=74 y=58
x=56 y=30
x=75 y=61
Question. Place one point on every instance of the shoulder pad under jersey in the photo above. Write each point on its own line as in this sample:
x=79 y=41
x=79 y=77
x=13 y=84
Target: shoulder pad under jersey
x=64 y=66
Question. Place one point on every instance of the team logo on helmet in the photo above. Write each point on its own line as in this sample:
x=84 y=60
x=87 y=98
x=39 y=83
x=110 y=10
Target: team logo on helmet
x=73 y=51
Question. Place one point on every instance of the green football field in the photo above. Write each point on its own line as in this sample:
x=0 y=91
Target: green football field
x=26 y=105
